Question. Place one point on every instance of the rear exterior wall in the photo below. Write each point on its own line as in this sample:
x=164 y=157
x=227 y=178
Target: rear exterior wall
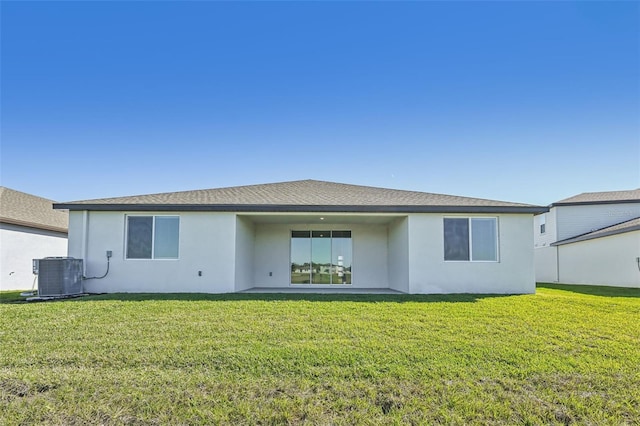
x=222 y=252
x=513 y=273
x=205 y=264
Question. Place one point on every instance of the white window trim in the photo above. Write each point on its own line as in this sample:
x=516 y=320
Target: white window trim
x=497 y=241
x=153 y=237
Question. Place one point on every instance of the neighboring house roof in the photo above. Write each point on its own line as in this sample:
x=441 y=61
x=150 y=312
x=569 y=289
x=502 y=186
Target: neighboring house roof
x=303 y=196
x=610 y=197
x=19 y=208
x=620 y=228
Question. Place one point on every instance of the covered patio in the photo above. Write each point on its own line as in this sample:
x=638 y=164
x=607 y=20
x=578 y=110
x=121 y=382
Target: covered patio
x=319 y=252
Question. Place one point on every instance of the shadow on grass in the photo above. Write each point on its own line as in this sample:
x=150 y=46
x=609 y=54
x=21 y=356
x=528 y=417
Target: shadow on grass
x=593 y=290
x=309 y=297
x=11 y=296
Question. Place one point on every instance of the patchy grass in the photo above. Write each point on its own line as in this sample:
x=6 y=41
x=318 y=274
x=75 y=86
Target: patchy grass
x=11 y=296
x=557 y=357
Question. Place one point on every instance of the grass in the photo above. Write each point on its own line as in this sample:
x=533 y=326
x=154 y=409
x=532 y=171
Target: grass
x=11 y=296
x=561 y=356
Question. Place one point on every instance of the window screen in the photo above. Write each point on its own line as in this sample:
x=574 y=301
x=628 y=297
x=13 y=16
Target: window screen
x=456 y=239
x=139 y=237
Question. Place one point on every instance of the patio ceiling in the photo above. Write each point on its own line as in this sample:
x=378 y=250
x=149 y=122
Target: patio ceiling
x=322 y=218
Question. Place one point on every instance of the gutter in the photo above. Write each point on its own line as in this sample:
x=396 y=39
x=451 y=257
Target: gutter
x=288 y=208
x=589 y=203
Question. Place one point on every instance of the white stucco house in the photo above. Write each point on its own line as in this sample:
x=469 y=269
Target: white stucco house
x=304 y=236
x=591 y=238
x=29 y=229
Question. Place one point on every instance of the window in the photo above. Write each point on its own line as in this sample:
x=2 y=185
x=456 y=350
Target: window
x=320 y=257
x=471 y=239
x=152 y=237
x=543 y=223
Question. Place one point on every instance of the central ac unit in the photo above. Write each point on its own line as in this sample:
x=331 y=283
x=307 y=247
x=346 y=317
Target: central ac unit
x=59 y=276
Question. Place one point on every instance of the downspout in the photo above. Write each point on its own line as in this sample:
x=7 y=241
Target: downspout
x=557 y=264
x=85 y=241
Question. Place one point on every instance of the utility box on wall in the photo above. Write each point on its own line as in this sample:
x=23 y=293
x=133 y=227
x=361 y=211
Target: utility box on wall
x=59 y=276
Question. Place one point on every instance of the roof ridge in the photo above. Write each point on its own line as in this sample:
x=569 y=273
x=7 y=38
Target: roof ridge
x=291 y=186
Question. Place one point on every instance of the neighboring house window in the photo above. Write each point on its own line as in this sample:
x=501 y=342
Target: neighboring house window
x=543 y=223
x=471 y=239
x=152 y=237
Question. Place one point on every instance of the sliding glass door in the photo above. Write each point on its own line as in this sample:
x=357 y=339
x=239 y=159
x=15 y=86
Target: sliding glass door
x=320 y=257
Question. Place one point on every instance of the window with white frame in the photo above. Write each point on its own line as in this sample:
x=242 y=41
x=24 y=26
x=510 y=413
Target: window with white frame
x=543 y=223
x=152 y=237
x=471 y=239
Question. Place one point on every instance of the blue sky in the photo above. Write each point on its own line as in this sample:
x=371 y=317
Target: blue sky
x=519 y=101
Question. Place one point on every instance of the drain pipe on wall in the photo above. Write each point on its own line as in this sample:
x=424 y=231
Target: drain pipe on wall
x=84 y=244
x=557 y=264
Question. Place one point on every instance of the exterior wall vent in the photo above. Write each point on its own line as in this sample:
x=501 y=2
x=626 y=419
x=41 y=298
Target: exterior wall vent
x=59 y=276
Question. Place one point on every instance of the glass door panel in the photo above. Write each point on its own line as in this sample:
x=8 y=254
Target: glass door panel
x=341 y=257
x=321 y=257
x=300 y=257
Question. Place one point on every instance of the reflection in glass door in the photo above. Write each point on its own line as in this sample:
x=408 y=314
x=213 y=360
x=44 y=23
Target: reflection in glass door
x=300 y=250
x=341 y=257
x=321 y=257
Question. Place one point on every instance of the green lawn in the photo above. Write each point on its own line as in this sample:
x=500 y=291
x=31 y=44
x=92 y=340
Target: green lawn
x=564 y=355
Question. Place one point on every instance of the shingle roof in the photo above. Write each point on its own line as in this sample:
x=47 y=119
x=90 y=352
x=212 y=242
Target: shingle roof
x=620 y=228
x=609 y=197
x=19 y=208
x=302 y=195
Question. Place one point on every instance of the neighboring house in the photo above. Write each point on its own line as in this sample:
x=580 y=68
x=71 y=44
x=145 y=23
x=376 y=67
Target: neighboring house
x=591 y=238
x=29 y=229
x=304 y=235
